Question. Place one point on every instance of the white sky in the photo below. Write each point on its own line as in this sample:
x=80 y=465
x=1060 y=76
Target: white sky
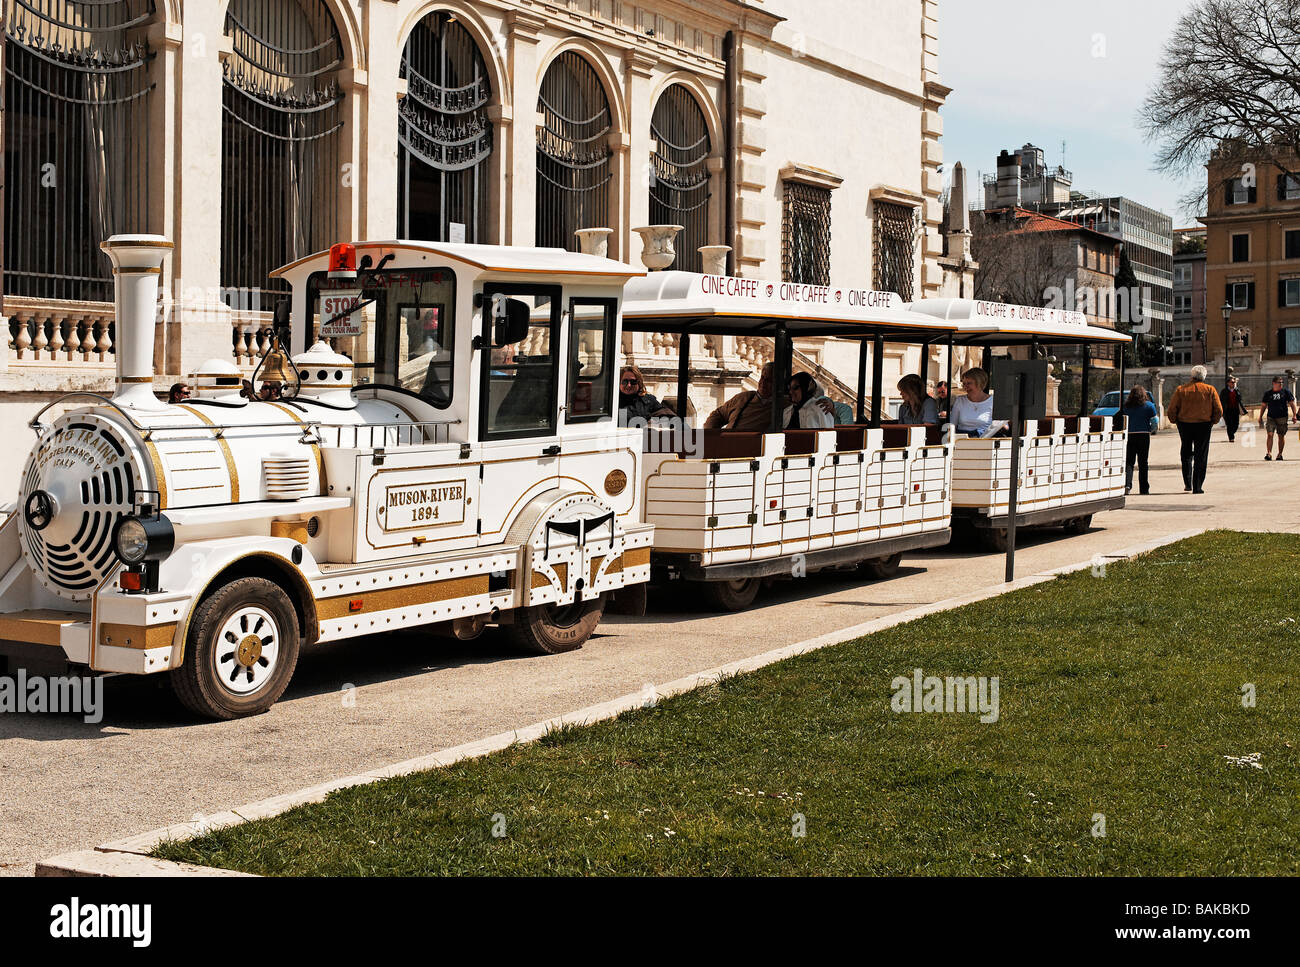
x=1024 y=71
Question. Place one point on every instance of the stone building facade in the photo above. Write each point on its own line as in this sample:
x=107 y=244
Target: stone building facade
x=805 y=137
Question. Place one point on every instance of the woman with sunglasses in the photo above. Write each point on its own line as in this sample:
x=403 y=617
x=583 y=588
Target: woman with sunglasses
x=634 y=403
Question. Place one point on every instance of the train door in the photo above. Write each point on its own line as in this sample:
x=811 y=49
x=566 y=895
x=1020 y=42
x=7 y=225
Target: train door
x=518 y=408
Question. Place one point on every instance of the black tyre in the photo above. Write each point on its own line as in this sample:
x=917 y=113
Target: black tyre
x=1079 y=525
x=552 y=629
x=882 y=567
x=730 y=595
x=994 y=539
x=241 y=651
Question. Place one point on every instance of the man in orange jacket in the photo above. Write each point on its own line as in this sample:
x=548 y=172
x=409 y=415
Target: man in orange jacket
x=1194 y=409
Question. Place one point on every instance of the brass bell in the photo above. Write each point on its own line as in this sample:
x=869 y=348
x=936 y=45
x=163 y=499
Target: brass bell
x=276 y=368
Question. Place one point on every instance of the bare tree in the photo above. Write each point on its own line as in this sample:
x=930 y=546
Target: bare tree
x=1229 y=85
x=1014 y=265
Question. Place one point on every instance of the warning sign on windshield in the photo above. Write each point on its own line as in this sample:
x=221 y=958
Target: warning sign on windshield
x=339 y=313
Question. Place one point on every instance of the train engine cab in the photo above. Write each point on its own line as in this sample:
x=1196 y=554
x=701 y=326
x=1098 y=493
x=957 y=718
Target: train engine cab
x=434 y=445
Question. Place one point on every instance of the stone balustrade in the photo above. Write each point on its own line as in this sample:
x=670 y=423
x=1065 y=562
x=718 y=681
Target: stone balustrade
x=53 y=333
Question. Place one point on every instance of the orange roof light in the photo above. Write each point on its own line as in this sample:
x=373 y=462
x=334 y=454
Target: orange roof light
x=343 y=261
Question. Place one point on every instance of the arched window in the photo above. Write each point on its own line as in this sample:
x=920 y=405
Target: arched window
x=76 y=141
x=444 y=134
x=679 y=192
x=280 y=164
x=574 y=167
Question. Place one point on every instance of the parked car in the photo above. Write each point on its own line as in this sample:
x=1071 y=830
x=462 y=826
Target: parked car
x=1110 y=404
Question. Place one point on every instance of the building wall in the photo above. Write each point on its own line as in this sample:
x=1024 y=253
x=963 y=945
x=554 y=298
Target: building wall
x=1265 y=220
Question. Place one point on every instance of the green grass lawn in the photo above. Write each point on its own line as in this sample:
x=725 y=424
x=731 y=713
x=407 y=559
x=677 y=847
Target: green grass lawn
x=1119 y=695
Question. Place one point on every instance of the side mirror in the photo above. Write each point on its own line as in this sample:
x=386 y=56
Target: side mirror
x=510 y=320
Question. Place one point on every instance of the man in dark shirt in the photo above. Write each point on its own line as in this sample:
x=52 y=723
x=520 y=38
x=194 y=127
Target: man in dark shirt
x=1233 y=406
x=1277 y=402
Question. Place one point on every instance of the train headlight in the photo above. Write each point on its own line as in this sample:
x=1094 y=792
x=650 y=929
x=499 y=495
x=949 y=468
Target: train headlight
x=139 y=539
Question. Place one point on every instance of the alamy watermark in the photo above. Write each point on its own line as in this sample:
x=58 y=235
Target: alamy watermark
x=57 y=695
x=951 y=694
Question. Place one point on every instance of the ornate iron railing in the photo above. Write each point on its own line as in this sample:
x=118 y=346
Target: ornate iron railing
x=282 y=112
x=77 y=141
x=574 y=167
x=444 y=134
x=679 y=183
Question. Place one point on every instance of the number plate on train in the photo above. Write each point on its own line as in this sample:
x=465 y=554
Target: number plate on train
x=423 y=505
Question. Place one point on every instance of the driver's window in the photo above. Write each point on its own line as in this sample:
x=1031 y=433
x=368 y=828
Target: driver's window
x=520 y=400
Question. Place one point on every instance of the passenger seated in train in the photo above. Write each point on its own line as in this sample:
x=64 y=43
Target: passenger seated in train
x=752 y=410
x=805 y=411
x=917 y=406
x=972 y=414
x=634 y=402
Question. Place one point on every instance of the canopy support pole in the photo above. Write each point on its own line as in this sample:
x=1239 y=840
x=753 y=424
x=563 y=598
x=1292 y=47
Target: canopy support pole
x=683 y=373
x=948 y=403
x=862 y=381
x=780 y=375
x=877 y=377
x=1123 y=370
x=1085 y=380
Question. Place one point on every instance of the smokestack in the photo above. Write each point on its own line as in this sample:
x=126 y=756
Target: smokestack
x=137 y=269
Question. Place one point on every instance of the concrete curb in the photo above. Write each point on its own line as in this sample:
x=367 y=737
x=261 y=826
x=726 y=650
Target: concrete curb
x=129 y=857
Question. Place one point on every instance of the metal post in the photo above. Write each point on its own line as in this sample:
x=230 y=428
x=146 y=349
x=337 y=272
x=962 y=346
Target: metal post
x=780 y=367
x=862 y=381
x=683 y=372
x=877 y=377
x=1123 y=369
x=1014 y=489
x=1085 y=379
x=948 y=404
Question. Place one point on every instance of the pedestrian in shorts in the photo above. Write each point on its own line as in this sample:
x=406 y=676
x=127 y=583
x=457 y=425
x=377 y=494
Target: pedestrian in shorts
x=1273 y=414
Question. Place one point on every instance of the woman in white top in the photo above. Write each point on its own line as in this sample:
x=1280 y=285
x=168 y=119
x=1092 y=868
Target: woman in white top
x=804 y=411
x=973 y=413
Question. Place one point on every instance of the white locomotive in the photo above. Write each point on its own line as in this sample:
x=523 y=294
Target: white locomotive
x=462 y=466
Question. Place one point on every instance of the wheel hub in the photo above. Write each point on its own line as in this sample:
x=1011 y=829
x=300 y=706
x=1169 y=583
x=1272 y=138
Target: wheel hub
x=249 y=651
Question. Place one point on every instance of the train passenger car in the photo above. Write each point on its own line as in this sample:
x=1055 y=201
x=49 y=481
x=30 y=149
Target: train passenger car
x=458 y=463
x=731 y=509
x=1071 y=467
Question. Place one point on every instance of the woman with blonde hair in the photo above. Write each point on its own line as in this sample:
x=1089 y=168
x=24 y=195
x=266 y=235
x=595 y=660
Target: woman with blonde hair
x=972 y=414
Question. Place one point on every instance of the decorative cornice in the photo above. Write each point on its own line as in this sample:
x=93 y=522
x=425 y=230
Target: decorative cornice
x=896 y=196
x=808 y=175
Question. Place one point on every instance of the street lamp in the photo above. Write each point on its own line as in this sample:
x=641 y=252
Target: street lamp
x=1227 y=314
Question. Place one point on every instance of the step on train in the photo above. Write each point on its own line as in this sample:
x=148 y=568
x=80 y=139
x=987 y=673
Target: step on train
x=435 y=442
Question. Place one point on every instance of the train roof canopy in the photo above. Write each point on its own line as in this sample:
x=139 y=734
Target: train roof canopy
x=1001 y=324
x=679 y=302
x=505 y=259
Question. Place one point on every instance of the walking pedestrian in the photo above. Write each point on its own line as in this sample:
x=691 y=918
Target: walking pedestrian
x=1195 y=408
x=1274 y=409
x=1139 y=414
x=1233 y=407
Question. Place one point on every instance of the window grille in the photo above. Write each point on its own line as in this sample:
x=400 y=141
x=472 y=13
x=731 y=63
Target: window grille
x=444 y=133
x=76 y=141
x=895 y=248
x=282 y=113
x=679 y=184
x=574 y=167
x=806 y=234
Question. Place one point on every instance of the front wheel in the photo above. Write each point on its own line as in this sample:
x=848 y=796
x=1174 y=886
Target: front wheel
x=730 y=595
x=994 y=539
x=241 y=651
x=552 y=629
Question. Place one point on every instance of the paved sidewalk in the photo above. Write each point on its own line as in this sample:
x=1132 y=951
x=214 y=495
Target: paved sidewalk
x=65 y=785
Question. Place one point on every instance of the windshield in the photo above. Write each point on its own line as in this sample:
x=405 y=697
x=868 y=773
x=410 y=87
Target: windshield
x=400 y=331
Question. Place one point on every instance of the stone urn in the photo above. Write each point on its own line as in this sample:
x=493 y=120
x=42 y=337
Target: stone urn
x=657 y=250
x=594 y=241
x=715 y=259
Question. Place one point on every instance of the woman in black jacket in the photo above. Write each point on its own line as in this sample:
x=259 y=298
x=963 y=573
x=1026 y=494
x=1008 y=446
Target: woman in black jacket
x=634 y=403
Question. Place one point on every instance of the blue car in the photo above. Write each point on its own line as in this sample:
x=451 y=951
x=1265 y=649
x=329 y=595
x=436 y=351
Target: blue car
x=1110 y=404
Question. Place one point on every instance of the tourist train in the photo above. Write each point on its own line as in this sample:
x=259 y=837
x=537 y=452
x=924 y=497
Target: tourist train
x=435 y=442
